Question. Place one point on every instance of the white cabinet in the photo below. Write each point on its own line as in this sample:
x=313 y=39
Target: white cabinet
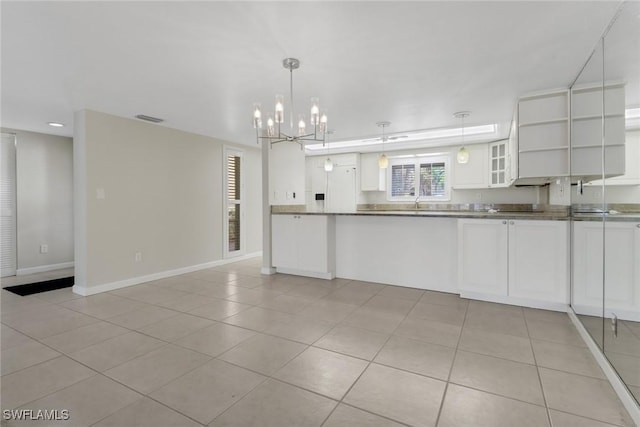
x=520 y=262
x=482 y=254
x=372 y=178
x=538 y=260
x=303 y=244
x=631 y=162
x=472 y=174
x=621 y=268
x=499 y=164
x=543 y=137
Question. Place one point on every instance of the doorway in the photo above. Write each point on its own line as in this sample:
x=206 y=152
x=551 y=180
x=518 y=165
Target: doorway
x=8 y=241
x=233 y=203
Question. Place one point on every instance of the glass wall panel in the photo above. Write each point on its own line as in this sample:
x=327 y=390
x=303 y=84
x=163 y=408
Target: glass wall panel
x=622 y=195
x=587 y=197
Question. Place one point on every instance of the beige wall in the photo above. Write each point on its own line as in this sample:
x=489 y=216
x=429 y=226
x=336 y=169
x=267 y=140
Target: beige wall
x=162 y=197
x=44 y=192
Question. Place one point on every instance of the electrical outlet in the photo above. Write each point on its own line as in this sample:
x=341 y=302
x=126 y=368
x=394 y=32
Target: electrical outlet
x=44 y=249
x=138 y=256
x=614 y=324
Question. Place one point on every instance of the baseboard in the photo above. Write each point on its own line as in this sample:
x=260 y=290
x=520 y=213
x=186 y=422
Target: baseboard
x=316 y=275
x=268 y=271
x=621 y=390
x=523 y=302
x=92 y=290
x=43 y=268
x=621 y=314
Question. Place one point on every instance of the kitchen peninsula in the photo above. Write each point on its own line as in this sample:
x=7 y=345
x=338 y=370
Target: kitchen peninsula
x=484 y=252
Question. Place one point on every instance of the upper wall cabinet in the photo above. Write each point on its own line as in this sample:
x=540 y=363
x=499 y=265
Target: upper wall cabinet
x=587 y=132
x=542 y=137
x=499 y=164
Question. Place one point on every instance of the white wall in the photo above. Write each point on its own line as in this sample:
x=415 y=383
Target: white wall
x=44 y=173
x=163 y=192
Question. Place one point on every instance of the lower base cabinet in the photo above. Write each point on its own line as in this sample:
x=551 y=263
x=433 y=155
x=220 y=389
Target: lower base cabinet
x=303 y=244
x=521 y=262
x=621 y=292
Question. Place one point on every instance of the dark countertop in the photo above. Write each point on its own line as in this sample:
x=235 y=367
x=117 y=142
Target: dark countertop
x=621 y=217
x=617 y=212
x=439 y=214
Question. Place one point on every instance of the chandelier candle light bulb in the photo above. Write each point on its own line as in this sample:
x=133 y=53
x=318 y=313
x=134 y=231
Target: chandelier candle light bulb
x=315 y=111
x=279 y=109
x=323 y=122
x=301 y=125
x=257 y=116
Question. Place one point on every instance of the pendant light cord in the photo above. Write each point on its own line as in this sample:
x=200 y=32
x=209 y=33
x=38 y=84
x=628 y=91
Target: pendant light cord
x=291 y=93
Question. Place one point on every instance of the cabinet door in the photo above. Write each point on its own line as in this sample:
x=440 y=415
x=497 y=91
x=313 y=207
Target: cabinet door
x=472 y=174
x=498 y=164
x=621 y=275
x=372 y=178
x=482 y=255
x=284 y=246
x=312 y=243
x=538 y=265
x=587 y=267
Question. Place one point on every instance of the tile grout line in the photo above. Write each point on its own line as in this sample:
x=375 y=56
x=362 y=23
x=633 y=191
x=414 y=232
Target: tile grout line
x=346 y=393
x=59 y=303
x=535 y=360
x=453 y=360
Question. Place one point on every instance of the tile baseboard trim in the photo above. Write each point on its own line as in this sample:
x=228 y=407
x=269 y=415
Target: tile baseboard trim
x=44 y=268
x=618 y=385
x=523 y=302
x=92 y=290
x=315 y=275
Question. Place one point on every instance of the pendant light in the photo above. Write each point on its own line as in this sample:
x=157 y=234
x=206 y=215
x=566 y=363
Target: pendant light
x=383 y=160
x=463 y=154
x=328 y=164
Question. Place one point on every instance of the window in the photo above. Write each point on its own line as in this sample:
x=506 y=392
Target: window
x=428 y=175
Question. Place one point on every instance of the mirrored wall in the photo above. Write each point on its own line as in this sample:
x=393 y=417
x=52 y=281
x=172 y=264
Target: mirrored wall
x=605 y=199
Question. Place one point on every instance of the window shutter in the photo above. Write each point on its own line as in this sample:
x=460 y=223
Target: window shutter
x=403 y=180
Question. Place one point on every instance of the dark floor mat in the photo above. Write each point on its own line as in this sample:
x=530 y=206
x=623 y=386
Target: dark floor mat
x=36 y=288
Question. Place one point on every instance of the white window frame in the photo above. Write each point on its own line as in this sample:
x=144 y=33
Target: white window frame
x=226 y=152
x=416 y=160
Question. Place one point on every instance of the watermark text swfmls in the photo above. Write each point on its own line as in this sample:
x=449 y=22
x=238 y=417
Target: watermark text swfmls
x=36 y=414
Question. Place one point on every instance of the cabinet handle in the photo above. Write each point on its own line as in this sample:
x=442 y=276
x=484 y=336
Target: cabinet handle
x=504 y=222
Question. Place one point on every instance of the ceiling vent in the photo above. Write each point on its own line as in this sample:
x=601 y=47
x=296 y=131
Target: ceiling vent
x=149 y=118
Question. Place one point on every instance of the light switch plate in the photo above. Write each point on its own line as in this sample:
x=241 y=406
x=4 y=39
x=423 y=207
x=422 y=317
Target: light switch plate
x=100 y=194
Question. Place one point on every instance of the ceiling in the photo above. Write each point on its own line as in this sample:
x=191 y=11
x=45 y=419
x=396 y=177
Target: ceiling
x=201 y=65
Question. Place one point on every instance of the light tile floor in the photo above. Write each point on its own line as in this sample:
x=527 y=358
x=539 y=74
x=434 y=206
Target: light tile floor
x=229 y=347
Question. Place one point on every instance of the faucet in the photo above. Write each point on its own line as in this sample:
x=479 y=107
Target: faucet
x=417 y=203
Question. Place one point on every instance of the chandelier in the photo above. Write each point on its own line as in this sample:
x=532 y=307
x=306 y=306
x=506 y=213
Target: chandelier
x=274 y=133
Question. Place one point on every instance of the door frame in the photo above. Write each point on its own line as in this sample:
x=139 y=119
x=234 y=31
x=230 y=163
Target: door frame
x=226 y=152
x=15 y=200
